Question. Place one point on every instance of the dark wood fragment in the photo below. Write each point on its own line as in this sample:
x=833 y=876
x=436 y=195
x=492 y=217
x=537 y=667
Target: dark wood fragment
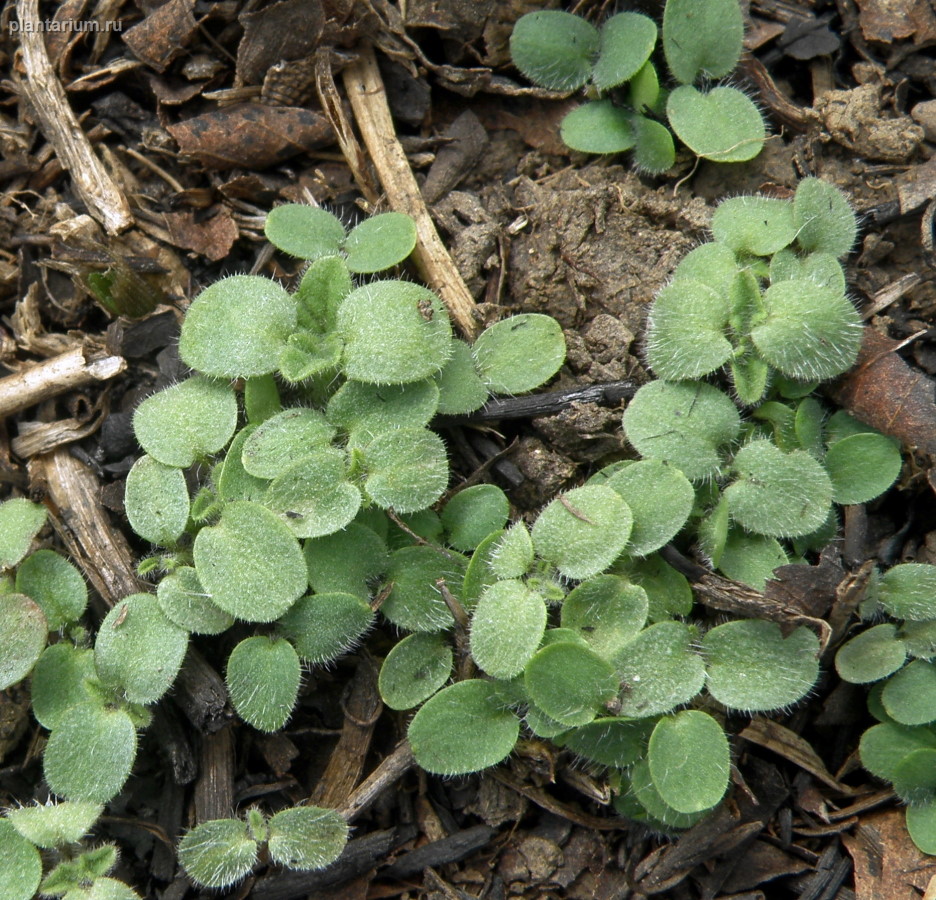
x=135 y=338
x=447 y=850
x=200 y=693
x=174 y=741
x=214 y=790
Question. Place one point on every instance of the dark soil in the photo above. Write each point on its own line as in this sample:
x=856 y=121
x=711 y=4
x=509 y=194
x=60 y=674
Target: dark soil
x=206 y=115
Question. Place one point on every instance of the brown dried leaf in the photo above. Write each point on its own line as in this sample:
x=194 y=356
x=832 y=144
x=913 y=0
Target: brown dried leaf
x=284 y=31
x=251 y=136
x=212 y=238
x=893 y=20
x=163 y=34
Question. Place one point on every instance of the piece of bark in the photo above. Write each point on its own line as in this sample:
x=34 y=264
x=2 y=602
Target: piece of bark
x=449 y=849
x=214 y=789
x=394 y=767
x=93 y=184
x=369 y=101
x=43 y=437
x=55 y=376
x=200 y=693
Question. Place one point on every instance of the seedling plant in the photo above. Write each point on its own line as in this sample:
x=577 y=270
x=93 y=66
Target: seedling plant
x=627 y=107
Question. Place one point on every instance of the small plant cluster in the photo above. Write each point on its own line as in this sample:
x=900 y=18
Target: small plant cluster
x=896 y=657
x=626 y=109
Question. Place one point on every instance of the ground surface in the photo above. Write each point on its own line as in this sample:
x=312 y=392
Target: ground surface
x=172 y=107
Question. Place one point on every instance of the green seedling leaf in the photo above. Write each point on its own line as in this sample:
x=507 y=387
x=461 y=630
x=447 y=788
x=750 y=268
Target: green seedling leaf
x=615 y=742
x=348 y=561
x=921 y=825
x=883 y=746
x=862 y=467
x=20 y=521
x=20 y=864
x=463 y=728
x=480 y=573
x=307 y=837
x=56 y=824
x=723 y=125
x=919 y=638
x=654 y=150
x=914 y=778
x=461 y=389
x=372 y=409
x=507 y=626
x=659 y=496
x=304 y=231
x=752 y=667
x=520 y=353
x=908 y=591
x=569 y=682
x=554 y=49
x=380 y=242
x=714 y=265
x=658 y=670
x=324 y=285
x=23 y=630
x=807 y=425
x=809 y=332
x=690 y=761
x=138 y=649
x=263 y=681
x=261 y=399
x=187 y=421
x=668 y=591
x=276 y=445
x=541 y=725
x=186 y=604
x=749 y=375
x=313 y=496
x=407 y=469
x=644 y=91
x=233 y=481
x=824 y=218
x=599 y=127
x=394 y=332
x=782 y=420
x=686 y=331
x=778 y=494
x=250 y=563
x=822 y=268
x=157 y=501
x=685 y=425
x=219 y=853
x=512 y=555
x=702 y=38
x=414 y=670
x=583 y=531
x=660 y=812
x=90 y=753
x=424 y=523
x=872 y=655
x=324 y=626
x=307 y=355
x=751 y=558
x=606 y=611
x=625 y=44
x=414 y=602
x=59 y=682
x=237 y=327
x=473 y=513
x=842 y=425
x=909 y=697
x=79 y=877
x=756 y=225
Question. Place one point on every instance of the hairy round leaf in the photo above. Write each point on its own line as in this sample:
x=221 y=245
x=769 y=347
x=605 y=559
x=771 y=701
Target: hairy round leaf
x=414 y=670
x=157 y=501
x=407 y=469
x=778 y=494
x=394 y=332
x=185 y=603
x=480 y=573
x=752 y=224
x=233 y=482
x=307 y=355
x=554 y=49
x=751 y=666
x=909 y=697
x=348 y=561
x=883 y=746
x=702 y=38
x=599 y=127
x=473 y=513
x=915 y=777
x=237 y=327
x=713 y=264
x=380 y=242
x=583 y=531
x=751 y=558
x=690 y=761
x=659 y=670
x=263 y=681
x=685 y=425
x=507 y=626
x=625 y=43
x=55 y=584
x=307 y=837
x=414 y=602
x=519 y=353
x=324 y=626
x=20 y=521
x=513 y=554
x=463 y=728
x=304 y=231
x=862 y=467
x=218 y=853
x=55 y=824
x=283 y=440
x=373 y=408
x=908 y=591
x=20 y=864
x=668 y=591
x=186 y=421
x=607 y=611
x=819 y=267
x=616 y=742
x=872 y=655
x=659 y=811
x=90 y=753
x=723 y=125
x=569 y=682
x=654 y=150
x=921 y=826
x=686 y=331
x=824 y=218
x=138 y=649
x=250 y=563
x=23 y=630
x=461 y=389
x=59 y=681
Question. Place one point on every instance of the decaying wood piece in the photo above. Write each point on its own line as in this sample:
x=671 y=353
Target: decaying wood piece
x=394 y=767
x=97 y=190
x=369 y=101
x=56 y=376
x=214 y=789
